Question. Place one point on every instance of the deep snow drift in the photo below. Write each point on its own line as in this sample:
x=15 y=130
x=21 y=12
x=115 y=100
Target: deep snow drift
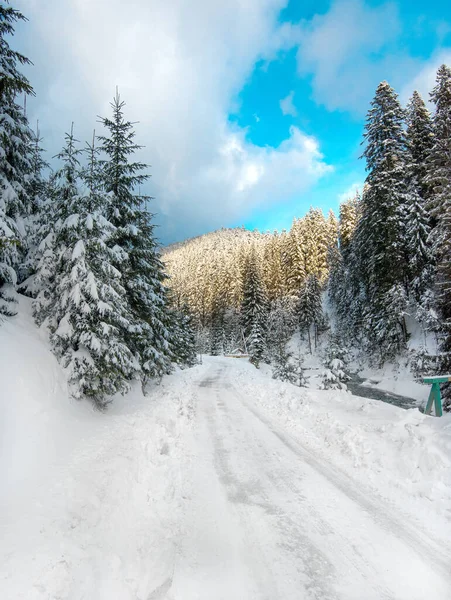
x=222 y=483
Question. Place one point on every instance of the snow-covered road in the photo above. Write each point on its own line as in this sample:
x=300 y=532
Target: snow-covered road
x=201 y=491
x=264 y=518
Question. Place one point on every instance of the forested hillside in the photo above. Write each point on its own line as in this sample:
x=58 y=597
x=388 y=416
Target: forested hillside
x=385 y=261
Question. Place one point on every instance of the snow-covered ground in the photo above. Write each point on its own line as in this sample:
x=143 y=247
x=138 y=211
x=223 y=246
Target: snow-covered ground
x=221 y=484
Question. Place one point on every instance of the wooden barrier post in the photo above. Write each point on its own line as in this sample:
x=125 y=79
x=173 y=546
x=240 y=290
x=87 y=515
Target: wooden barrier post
x=435 y=395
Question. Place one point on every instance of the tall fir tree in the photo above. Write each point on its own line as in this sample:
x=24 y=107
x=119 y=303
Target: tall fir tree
x=420 y=139
x=348 y=222
x=217 y=328
x=418 y=225
x=15 y=161
x=63 y=191
x=85 y=306
x=439 y=178
x=38 y=223
x=310 y=309
x=142 y=270
x=254 y=310
x=184 y=345
x=12 y=82
x=383 y=220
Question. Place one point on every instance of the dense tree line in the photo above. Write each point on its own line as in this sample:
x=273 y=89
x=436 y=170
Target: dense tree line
x=250 y=291
x=386 y=262
x=80 y=240
x=393 y=263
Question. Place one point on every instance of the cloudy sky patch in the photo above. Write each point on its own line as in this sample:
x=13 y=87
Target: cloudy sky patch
x=205 y=81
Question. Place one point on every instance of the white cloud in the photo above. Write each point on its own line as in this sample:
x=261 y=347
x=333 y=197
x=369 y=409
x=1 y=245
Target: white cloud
x=424 y=81
x=287 y=105
x=179 y=66
x=343 y=50
x=351 y=191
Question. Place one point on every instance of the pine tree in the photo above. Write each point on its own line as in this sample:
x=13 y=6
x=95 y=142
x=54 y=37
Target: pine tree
x=184 y=345
x=281 y=326
x=254 y=310
x=63 y=191
x=38 y=223
x=420 y=138
x=232 y=330
x=418 y=223
x=142 y=270
x=317 y=235
x=439 y=178
x=420 y=257
x=15 y=163
x=273 y=267
x=381 y=230
x=86 y=308
x=295 y=258
x=12 y=81
x=310 y=308
x=335 y=360
x=217 y=329
x=285 y=368
x=347 y=222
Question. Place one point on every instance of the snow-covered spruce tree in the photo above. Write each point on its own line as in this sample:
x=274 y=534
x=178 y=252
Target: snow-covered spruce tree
x=310 y=310
x=87 y=308
x=335 y=359
x=381 y=228
x=38 y=223
x=420 y=256
x=184 y=338
x=420 y=139
x=294 y=259
x=281 y=326
x=273 y=267
x=344 y=286
x=233 y=339
x=418 y=220
x=217 y=329
x=15 y=162
x=348 y=222
x=283 y=367
x=336 y=282
x=150 y=337
x=254 y=310
x=439 y=177
x=63 y=193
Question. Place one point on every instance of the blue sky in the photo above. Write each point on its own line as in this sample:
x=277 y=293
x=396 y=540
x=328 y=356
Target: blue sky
x=250 y=111
x=418 y=33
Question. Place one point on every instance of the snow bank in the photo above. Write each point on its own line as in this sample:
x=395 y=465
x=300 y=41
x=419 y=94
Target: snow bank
x=39 y=424
x=89 y=501
x=403 y=454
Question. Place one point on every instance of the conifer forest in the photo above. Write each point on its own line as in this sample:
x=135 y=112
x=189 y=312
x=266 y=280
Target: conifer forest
x=225 y=300
x=77 y=237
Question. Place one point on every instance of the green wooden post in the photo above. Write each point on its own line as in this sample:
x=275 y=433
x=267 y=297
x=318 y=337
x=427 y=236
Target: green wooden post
x=435 y=395
x=436 y=398
x=427 y=410
x=438 y=401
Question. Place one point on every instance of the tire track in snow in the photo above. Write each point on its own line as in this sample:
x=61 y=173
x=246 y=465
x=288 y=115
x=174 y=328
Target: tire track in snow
x=269 y=482
x=380 y=511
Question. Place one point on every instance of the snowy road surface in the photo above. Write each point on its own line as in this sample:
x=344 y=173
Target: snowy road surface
x=265 y=519
x=199 y=494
